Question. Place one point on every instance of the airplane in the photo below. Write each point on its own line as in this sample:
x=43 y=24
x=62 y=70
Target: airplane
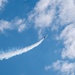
x=45 y=36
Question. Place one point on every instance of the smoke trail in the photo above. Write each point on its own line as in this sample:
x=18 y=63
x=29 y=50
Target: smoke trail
x=10 y=54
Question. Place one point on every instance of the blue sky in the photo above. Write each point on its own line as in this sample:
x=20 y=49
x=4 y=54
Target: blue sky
x=23 y=50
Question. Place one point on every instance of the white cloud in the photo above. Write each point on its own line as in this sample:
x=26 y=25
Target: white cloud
x=44 y=5
x=47 y=67
x=42 y=15
x=7 y=55
x=68 y=37
x=4 y=25
x=2 y=3
x=60 y=12
x=64 y=67
x=18 y=24
x=67 y=11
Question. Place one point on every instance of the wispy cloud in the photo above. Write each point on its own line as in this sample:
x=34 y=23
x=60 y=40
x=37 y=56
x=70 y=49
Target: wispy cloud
x=67 y=11
x=4 y=25
x=17 y=24
x=42 y=15
x=7 y=55
x=63 y=19
x=52 y=13
x=2 y=3
x=68 y=37
x=64 y=67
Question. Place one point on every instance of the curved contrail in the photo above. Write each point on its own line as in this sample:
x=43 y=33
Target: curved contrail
x=10 y=54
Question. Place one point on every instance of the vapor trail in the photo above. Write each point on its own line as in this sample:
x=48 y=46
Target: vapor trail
x=10 y=54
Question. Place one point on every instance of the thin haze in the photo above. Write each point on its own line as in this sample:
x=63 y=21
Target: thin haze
x=10 y=54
